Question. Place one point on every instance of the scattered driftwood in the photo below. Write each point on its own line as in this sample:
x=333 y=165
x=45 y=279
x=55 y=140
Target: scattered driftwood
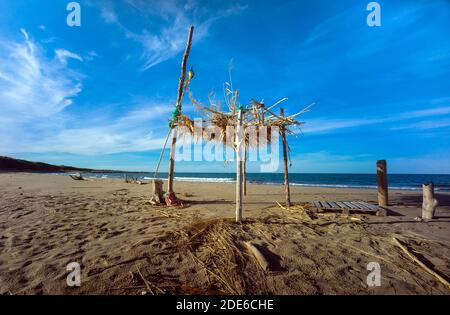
x=430 y=203
x=258 y=255
x=421 y=264
x=132 y=180
x=77 y=177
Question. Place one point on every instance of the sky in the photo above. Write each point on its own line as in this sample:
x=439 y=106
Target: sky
x=99 y=95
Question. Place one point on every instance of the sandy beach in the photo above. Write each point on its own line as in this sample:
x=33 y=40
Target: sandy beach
x=127 y=246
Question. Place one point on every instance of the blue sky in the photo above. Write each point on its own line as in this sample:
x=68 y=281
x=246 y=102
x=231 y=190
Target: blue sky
x=100 y=95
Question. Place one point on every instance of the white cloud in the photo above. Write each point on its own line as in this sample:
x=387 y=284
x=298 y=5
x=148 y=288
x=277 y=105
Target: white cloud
x=35 y=91
x=30 y=84
x=127 y=133
x=328 y=125
x=425 y=125
x=108 y=14
x=169 y=42
x=63 y=55
x=145 y=112
x=163 y=44
x=91 y=55
x=98 y=140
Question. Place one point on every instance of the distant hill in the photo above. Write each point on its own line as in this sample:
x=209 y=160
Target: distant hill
x=8 y=164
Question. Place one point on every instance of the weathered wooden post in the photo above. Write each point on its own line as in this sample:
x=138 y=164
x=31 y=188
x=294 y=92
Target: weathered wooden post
x=239 y=144
x=244 y=174
x=157 y=196
x=172 y=161
x=285 y=158
x=382 y=183
x=429 y=203
x=181 y=87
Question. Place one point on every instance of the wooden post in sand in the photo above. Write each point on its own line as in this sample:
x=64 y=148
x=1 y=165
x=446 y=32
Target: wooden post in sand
x=239 y=142
x=178 y=106
x=172 y=161
x=429 y=203
x=157 y=195
x=285 y=158
x=382 y=183
x=244 y=172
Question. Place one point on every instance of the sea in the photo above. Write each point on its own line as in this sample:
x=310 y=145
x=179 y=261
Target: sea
x=395 y=181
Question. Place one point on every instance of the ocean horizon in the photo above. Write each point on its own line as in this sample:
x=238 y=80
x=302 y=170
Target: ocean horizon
x=331 y=180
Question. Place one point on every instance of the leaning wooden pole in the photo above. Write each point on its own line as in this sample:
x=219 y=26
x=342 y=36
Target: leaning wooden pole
x=285 y=158
x=178 y=107
x=382 y=183
x=239 y=142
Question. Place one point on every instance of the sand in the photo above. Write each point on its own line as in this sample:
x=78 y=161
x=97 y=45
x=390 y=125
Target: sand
x=127 y=246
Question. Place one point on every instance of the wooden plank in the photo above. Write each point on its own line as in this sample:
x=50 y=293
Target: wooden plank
x=333 y=205
x=354 y=205
x=317 y=204
x=326 y=205
x=341 y=204
x=351 y=205
x=363 y=205
x=348 y=204
x=373 y=207
x=369 y=206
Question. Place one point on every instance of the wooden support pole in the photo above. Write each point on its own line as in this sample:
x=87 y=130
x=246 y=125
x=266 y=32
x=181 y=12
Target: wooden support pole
x=181 y=88
x=172 y=161
x=285 y=158
x=382 y=183
x=429 y=203
x=239 y=142
x=244 y=174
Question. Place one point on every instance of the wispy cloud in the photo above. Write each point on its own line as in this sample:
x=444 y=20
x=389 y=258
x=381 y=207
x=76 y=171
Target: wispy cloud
x=63 y=55
x=36 y=90
x=30 y=84
x=329 y=125
x=98 y=140
x=164 y=43
x=127 y=133
x=425 y=125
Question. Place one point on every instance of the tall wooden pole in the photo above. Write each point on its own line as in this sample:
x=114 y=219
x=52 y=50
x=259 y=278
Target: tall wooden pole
x=382 y=183
x=239 y=141
x=244 y=174
x=181 y=88
x=285 y=159
x=172 y=161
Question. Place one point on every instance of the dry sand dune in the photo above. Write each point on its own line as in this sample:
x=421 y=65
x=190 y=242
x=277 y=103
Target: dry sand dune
x=127 y=246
